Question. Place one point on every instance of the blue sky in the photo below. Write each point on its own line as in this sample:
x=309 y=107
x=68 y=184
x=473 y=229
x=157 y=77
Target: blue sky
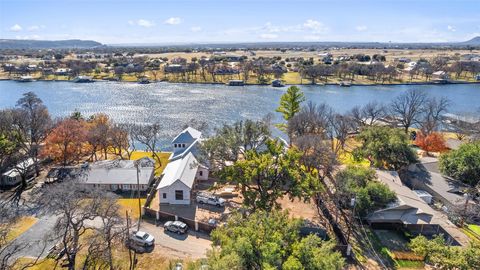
x=204 y=21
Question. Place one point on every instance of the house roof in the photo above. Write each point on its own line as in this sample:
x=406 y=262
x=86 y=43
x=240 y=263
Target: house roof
x=119 y=176
x=408 y=209
x=187 y=135
x=182 y=169
x=443 y=186
x=122 y=172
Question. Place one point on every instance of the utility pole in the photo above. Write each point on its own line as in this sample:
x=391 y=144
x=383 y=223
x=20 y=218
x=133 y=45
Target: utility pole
x=138 y=195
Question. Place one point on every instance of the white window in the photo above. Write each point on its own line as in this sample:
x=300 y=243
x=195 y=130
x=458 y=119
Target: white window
x=164 y=195
x=200 y=173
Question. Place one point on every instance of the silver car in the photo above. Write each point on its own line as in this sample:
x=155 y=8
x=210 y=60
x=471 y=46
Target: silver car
x=176 y=227
x=142 y=239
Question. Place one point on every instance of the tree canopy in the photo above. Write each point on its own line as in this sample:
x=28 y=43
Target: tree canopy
x=270 y=174
x=360 y=183
x=269 y=241
x=463 y=164
x=385 y=148
x=443 y=256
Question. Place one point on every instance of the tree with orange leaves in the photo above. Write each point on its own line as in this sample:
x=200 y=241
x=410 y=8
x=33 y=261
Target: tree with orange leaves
x=66 y=143
x=434 y=142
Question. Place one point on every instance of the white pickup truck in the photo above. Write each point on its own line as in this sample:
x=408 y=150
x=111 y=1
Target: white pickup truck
x=210 y=199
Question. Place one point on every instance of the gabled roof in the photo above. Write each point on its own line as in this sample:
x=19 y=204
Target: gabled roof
x=187 y=135
x=409 y=208
x=182 y=169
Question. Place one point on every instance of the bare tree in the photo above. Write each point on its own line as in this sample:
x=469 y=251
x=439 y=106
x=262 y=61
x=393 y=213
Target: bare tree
x=407 y=108
x=74 y=205
x=433 y=110
x=33 y=123
x=119 y=139
x=340 y=127
x=312 y=119
x=148 y=135
x=369 y=114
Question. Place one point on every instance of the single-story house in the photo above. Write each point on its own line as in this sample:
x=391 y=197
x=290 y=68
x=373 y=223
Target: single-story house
x=179 y=176
x=13 y=176
x=412 y=213
x=408 y=209
x=426 y=176
x=119 y=175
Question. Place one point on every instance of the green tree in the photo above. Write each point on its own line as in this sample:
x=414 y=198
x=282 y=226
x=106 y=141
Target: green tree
x=463 y=164
x=385 y=148
x=231 y=142
x=268 y=175
x=269 y=240
x=290 y=104
x=352 y=177
x=443 y=256
x=360 y=182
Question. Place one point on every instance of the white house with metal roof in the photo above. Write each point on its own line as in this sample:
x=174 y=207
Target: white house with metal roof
x=179 y=176
x=119 y=174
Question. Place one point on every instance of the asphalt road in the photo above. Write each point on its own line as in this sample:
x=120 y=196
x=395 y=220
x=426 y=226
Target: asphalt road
x=37 y=240
x=192 y=245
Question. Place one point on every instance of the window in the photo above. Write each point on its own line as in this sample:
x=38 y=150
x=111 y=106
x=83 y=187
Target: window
x=178 y=195
x=200 y=173
x=175 y=145
x=183 y=145
x=125 y=186
x=164 y=195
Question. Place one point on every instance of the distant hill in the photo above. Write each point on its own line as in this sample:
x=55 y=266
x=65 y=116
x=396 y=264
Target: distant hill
x=474 y=41
x=47 y=44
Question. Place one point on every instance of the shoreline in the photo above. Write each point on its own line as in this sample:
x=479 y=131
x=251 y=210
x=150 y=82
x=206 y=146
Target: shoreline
x=257 y=84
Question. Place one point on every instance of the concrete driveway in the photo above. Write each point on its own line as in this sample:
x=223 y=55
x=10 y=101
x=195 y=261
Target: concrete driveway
x=192 y=245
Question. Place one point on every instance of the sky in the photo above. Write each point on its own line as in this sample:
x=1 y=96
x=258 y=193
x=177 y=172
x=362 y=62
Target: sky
x=230 y=21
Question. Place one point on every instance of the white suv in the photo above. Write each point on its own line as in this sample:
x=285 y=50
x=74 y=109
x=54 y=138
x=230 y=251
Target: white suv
x=142 y=238
x=210 y=199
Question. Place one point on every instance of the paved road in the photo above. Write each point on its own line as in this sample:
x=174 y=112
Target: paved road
x=194 y=245
x=37 y=238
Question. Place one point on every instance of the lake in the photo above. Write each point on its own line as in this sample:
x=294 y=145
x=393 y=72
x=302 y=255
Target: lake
x=174 y=105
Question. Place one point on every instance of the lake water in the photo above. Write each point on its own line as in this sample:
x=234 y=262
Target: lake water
x=174 y=105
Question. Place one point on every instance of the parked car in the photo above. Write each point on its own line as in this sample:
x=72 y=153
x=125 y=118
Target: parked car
x=210 y=199
x=142 y=239
x=176 y=227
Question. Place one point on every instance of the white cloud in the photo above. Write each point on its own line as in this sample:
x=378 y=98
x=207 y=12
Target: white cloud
x=451 y=28
x=269 y=36
x=196 y=29
x=361 y=28
x=16 y=28
x=173 y=20
x=142 y=23
x=315 y=26
x=36 y=27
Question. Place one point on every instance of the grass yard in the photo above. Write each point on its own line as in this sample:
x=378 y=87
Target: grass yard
x=20 y=226
x=130 y=205
x=163 y=159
